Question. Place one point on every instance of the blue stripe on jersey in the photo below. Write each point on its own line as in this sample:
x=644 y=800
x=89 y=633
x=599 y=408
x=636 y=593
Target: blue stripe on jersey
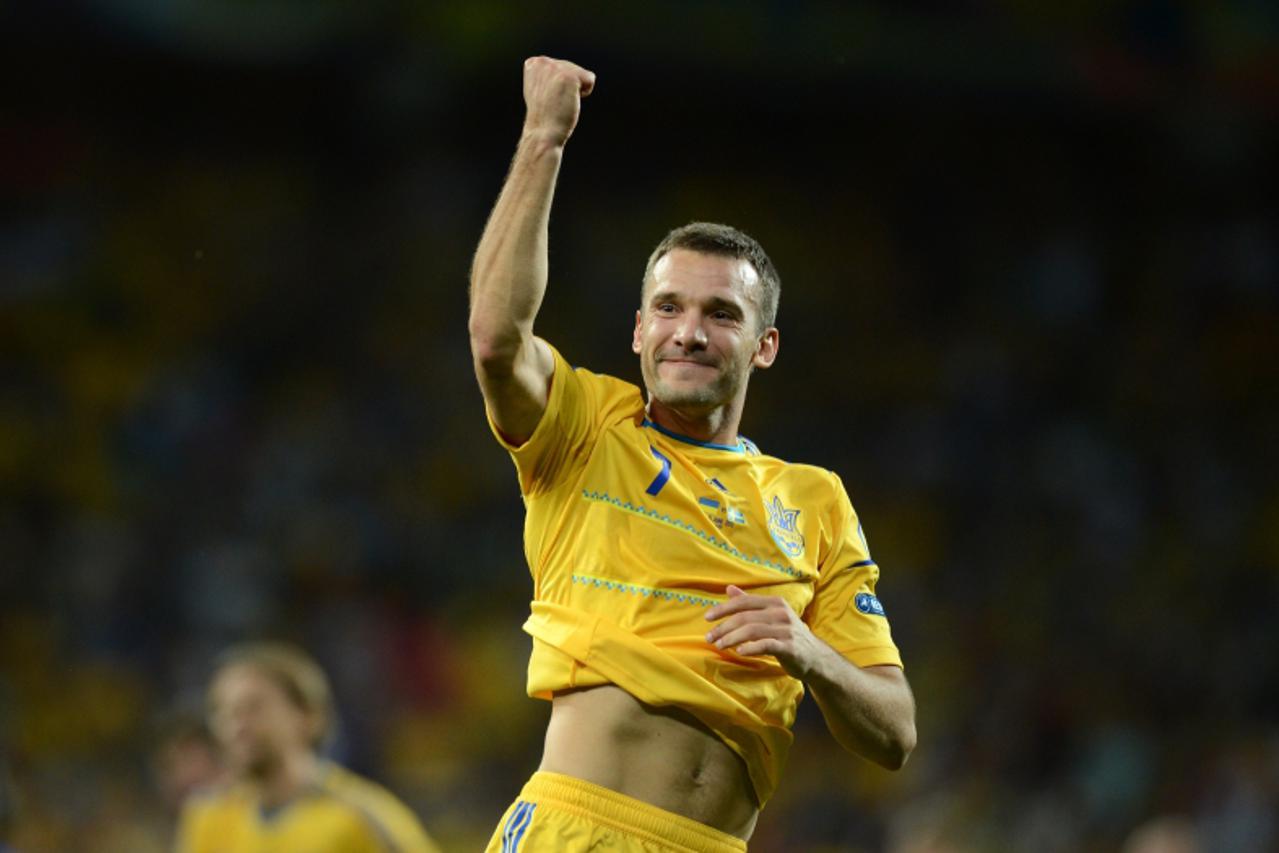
x=861 y=563
x=660 y=480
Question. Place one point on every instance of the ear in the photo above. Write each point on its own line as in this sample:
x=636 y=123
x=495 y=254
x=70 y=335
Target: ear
x=766 y=351
x=314 y=727
x=637 y=337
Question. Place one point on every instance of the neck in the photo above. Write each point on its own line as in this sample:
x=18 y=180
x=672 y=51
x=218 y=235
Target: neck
x=286 y=778
x=716 y=426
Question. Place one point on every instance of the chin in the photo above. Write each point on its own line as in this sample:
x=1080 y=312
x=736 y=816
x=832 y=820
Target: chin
x=703 y=396
x=697 y=399
x=250 y=764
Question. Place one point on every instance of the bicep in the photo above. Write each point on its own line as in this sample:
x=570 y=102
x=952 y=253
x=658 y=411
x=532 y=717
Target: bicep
x=516 y=395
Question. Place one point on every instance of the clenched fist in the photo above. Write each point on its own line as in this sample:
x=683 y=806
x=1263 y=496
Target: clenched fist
x=553 y=92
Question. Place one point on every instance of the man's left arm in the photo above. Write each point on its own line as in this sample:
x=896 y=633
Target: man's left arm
x=869 y=710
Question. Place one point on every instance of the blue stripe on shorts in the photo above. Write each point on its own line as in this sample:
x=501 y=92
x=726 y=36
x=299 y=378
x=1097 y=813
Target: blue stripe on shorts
x=519 y=820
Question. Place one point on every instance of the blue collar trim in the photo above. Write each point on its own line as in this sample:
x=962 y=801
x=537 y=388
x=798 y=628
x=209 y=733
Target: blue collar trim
x=740 y=447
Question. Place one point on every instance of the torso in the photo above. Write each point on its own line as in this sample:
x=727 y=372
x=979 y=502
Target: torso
x=337 y=810
x=632 y=533
x=660 y=756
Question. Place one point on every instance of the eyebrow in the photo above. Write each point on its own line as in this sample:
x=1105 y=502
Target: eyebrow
x=715 y=303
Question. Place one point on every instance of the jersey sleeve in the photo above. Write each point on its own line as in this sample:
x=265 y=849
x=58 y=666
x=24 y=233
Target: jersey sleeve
x=384 y=824
x=845 y=612
x=577 y=406
x=401 y=829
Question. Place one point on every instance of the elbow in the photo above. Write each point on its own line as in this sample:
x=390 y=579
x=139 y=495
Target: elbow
x=901 y=744
x=896 y=747
x=493 y=351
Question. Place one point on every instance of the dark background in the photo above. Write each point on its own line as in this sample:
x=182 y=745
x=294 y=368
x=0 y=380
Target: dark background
x=1030 y=315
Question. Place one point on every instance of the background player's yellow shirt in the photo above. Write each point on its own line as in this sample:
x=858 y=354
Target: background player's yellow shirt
x=341 y=813
x=632 y=532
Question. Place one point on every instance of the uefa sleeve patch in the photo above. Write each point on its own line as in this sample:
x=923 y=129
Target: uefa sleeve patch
x=868 y=604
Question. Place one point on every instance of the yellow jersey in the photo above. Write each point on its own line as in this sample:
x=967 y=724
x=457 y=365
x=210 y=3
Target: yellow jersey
x=632 y=532
x=340 y=813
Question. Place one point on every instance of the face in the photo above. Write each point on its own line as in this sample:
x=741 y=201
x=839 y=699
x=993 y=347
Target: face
x=698 y=331
x=254 y=721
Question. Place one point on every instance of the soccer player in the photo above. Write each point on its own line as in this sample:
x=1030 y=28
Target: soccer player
x=270 y=709
x=685 y=586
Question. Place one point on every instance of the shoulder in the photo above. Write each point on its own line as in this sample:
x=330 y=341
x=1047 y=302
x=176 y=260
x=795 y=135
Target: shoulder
x=815 y=476
x=392 y=821
x=206 y=816
x=606 y=390
x=820 y=488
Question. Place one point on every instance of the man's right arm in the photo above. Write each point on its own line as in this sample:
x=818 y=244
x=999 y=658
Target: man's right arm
x=508 y=274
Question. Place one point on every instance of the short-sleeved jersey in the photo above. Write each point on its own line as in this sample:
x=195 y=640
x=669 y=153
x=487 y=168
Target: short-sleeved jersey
x=340 y=813
x=632 y=532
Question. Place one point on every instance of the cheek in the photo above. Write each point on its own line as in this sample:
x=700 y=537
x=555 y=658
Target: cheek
x=647 y=337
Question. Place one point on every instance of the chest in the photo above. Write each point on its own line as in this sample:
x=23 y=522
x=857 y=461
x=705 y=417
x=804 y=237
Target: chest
x=756 y=518
x=312 y=825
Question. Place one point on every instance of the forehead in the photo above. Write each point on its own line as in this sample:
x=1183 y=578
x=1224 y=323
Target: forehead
x=697 y=274
x=240 y=679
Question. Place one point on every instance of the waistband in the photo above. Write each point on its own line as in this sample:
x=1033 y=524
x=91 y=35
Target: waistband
x=627 y=814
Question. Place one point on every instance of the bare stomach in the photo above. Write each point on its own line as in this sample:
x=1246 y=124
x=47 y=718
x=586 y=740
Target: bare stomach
x=661 y=756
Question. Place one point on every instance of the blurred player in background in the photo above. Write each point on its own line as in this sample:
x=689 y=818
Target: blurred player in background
x=686 y=586
x=270 y=710
x=186 y=760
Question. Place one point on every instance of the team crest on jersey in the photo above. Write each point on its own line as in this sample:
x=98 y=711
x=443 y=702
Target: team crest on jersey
x=783 y=523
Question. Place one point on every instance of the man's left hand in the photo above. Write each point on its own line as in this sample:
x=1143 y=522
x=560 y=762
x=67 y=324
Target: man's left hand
x=765 y=625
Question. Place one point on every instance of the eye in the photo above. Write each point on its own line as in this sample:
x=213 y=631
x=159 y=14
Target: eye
x=724 y=316
x=666 y=308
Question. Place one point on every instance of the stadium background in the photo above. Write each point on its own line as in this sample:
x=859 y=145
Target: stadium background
x=1030 y=316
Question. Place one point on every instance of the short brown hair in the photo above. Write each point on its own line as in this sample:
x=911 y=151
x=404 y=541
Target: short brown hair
x=712 y=238
x=297 y=673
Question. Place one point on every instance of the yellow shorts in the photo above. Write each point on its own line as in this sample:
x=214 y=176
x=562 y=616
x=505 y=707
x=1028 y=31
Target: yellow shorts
x=560 y=813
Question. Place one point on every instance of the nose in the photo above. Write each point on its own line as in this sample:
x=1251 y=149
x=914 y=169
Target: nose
x=690 y=334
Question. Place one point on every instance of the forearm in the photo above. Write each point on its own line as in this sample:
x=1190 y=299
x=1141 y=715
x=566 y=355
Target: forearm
x=508 y=274
x=869 y=711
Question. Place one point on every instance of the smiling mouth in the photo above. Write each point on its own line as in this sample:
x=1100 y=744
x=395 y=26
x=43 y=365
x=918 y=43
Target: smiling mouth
x=691 y=361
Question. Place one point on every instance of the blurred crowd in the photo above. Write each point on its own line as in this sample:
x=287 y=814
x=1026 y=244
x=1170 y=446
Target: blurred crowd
x=1030 y=315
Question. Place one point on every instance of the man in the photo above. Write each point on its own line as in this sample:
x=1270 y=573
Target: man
x=270 y=709
x=686 y=587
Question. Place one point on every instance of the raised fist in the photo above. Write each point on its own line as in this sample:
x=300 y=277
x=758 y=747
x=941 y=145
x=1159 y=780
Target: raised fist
x=553 y=92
